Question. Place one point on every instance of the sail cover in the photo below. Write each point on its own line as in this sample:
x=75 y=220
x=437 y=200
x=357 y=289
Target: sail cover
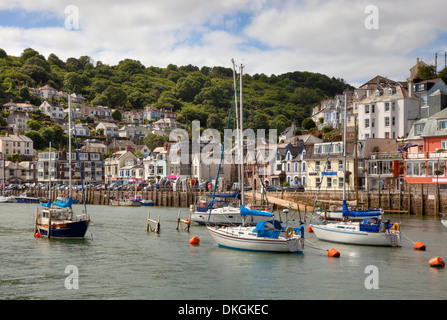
x=249 y=212
x=227 y=195
x=64 y=204
x=349 y=213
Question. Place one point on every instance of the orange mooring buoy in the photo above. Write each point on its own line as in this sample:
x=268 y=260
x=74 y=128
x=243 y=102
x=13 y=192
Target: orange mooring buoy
x=309 y=229
x=333 y=253
x=194 y=240
x=186 y=221
x=436 y=262
x=419 y=246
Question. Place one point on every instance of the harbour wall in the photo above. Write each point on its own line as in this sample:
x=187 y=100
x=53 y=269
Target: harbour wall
x=415 y=200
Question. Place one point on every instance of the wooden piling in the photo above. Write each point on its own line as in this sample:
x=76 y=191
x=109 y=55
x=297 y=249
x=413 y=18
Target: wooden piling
x=156 y=229
x=185 y=221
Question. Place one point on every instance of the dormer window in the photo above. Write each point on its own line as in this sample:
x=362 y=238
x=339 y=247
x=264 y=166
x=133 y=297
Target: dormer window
x=418 y=129
x=443 y=124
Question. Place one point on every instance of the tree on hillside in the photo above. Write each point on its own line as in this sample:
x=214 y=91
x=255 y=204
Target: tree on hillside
x=308 y=124
x=153 y=141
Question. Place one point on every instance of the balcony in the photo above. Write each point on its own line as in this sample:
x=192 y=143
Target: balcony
x=425 y=155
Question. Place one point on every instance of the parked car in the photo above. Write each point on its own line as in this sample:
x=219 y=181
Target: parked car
x=273 y=188
x=294 y=188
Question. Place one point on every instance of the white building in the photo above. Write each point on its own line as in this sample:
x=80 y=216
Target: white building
x=110 y=129
x=20 y=144
x=52 y=109
x=388 y=112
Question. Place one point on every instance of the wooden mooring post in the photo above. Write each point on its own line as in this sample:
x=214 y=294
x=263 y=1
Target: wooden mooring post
x=156 y=229
x=186 y=221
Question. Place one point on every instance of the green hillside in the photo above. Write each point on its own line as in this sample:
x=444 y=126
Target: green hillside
x=203 y=94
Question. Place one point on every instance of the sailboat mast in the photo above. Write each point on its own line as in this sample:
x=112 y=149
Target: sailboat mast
x=344 y=145
x=242 y=184
x=49 y=173
x=237 y=115
x=69 y=146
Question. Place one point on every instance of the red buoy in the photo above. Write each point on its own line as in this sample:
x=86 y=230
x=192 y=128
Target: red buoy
x=37 y=235
x=436 y=262
x=194 y=240
x=333 y=253
x=419 y=246
x=186 y=221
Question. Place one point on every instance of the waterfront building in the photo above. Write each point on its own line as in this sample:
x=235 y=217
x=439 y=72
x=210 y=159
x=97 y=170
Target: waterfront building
x=388 y=112
x=425 y=155
x=55 y=166
x=114 y=163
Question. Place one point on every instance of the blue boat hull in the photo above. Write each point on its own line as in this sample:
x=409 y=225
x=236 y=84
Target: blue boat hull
x=70 y=230
x=27 y=200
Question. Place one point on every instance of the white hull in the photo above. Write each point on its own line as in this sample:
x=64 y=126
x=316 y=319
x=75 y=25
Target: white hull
x=242 y=238
x=444 y=222
x=349 y=233
x=125 y=203
x=224 y=216
x=7 y=199
x=338 y=215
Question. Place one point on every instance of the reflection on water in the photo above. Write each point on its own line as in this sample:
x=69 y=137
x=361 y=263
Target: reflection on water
x=120 y=260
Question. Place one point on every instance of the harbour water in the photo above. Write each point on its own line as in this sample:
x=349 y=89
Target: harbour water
x=118 y=259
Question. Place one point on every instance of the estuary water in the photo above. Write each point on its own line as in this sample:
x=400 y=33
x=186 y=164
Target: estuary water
x=118 y=259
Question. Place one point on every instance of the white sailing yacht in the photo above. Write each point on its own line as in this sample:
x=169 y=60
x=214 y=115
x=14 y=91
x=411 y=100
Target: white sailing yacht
x=268 y=235
x=226 y=210
x=371 y=231
x=58 y=219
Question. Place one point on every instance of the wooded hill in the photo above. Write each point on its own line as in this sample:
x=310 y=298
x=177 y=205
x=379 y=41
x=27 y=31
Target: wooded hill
x=194 y=93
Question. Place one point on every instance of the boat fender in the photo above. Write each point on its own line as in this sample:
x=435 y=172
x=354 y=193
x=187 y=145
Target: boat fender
x=436 y=262
x=419 y=246
x=289 y=232
x=186 y=221
x=309 y=229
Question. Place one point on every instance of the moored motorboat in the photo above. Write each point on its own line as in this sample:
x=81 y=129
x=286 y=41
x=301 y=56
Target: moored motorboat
x=28 y=197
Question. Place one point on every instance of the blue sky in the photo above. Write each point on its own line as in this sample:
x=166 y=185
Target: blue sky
x=271 y=37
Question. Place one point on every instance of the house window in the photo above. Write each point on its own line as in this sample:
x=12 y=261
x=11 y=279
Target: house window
x=340 y=165
x=444 y=144
x=387 y=121
x=317 y=165
x=387 y=106
x=419 y=128
x=340 y=182
x=387 y=135
x=366 y=123
x=366 y=108
x=329 y=182
x=443 y=124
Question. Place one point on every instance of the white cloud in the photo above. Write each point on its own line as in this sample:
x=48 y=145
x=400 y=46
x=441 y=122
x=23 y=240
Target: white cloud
x=271 y=36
